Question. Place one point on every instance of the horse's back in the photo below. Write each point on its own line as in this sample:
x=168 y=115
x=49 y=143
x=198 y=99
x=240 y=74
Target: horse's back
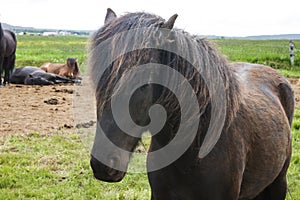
x=52 y=67
x=267 y=105
x=45 y=66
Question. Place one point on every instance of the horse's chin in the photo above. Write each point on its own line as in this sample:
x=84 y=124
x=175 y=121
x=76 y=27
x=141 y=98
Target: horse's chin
x=108 y=178
x=105 y=173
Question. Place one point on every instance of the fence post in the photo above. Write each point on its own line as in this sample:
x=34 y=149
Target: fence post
x=292 y=55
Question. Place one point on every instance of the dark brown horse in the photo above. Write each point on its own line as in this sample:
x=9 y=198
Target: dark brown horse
x=241 y=146
x=8 y=45
x=35 y=76
x=70 y=69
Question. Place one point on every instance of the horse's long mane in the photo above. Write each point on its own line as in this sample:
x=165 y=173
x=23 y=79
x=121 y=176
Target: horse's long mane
x=202 y=51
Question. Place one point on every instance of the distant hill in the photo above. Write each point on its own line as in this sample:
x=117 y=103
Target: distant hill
x=15 y=28
x=19 y=29
x=259 y=37
x=275 y=37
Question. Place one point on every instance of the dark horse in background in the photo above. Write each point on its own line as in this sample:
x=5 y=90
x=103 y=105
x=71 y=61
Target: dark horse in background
x=35 y=76
x=70 y=69
x=251 y=157
x=8 y=45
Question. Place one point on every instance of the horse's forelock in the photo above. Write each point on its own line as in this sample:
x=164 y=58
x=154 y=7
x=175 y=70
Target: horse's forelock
x=124 y=23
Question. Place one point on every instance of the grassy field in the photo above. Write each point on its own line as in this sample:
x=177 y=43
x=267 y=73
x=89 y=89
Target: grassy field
x=35 y=166
x=274 y=53
x=56 y=166
x=36 y=50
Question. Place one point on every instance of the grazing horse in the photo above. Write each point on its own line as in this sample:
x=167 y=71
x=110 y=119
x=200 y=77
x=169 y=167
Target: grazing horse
x=247 y=158
x=35 y=76
x=8 y=45
x=69 y=69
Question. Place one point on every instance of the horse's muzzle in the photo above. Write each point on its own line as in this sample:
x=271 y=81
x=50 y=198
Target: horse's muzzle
x=105 y=173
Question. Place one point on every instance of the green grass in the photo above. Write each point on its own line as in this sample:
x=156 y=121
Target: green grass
x=36 y=50
x=36 y=166
x=294 y=169
x=290 y=73
x=274 y=53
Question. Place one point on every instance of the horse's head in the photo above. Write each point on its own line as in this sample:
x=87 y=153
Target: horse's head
x=72 y=64
x=113 y=146
x=123 y=113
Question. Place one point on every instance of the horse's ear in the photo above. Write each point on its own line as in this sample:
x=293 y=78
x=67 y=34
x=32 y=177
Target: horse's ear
x=170 y=23
x=110 y=15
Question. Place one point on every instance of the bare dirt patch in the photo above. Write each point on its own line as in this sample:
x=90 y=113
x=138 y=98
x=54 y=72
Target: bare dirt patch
x=35 y=108
x=295 y=82
x=46 y=109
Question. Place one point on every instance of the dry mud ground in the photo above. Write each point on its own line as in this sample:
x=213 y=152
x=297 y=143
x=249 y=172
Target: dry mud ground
x=45 y=109
x=56 y=108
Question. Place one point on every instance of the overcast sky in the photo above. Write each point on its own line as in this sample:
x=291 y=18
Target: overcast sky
x=205 y=17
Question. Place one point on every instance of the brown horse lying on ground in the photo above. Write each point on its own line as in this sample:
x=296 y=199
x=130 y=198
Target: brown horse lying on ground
x=69 y=69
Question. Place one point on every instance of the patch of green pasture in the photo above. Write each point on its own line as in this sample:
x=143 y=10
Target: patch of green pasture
x=36 y=50
x=36 y=166
x=274 y=53
x=290 y=73
x=294 y=169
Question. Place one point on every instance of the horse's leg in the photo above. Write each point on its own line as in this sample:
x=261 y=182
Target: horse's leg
x=63 y=79
x=1 y=69
x=6 y=70
x=11 y=67
x=9 y=64
x=278 y=189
